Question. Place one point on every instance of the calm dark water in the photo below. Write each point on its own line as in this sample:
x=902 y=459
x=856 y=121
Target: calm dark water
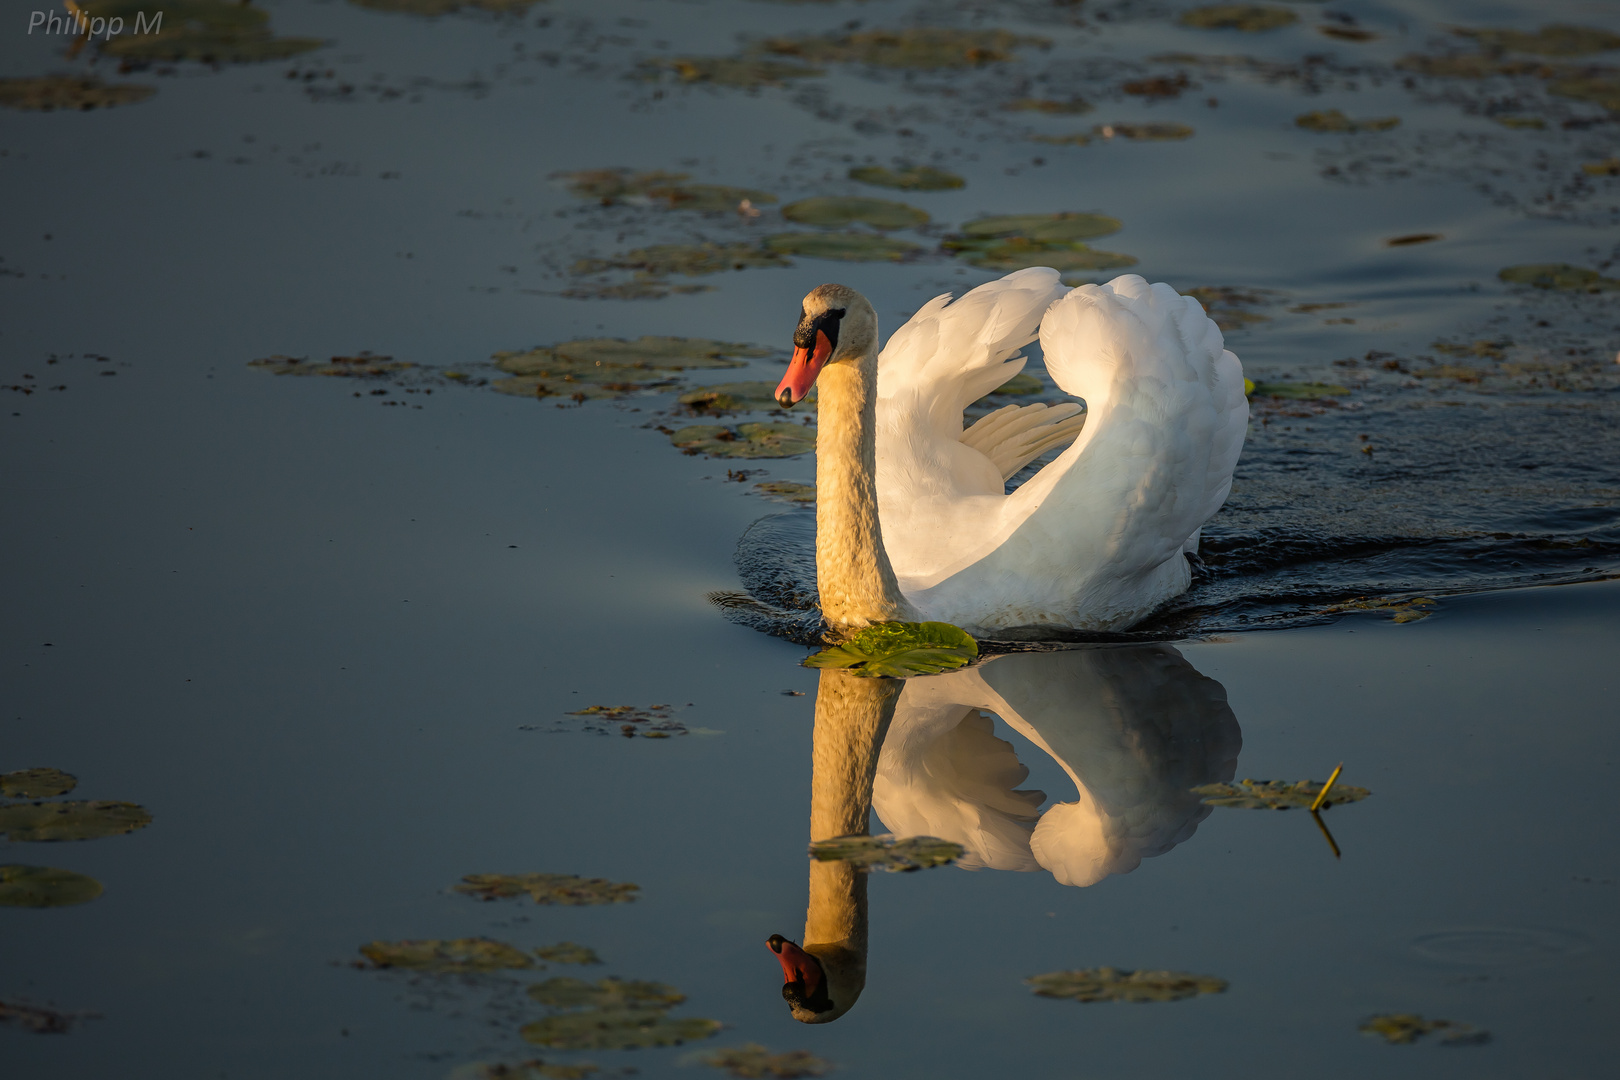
x=331 y=642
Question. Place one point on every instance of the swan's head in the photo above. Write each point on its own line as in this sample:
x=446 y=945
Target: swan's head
x=836 y=323
x=818 y=989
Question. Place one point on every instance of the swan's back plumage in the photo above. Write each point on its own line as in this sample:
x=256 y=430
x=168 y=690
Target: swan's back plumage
x=1095 y=540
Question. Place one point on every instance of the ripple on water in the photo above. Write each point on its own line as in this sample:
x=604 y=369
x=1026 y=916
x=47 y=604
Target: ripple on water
x=1497 y=946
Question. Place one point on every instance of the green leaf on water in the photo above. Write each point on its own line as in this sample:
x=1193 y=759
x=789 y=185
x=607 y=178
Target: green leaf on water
x=1559 y=276
x=840 y=210
x=1229 y=305
x=1600 y=89
x=1021 y=252
x=1158 y=132
x=45 y=886
x=39 y=783
x=747 y=72
x=1414 y=608
x=566 y=952
x=566 y=993
x=886 y=853
x=1403 y=1029
x=1301 y=391
x=1066 y=107
x=445 y=956
x=1060 y=228
x=843 y=246
x=690 y=260
x=636 y=289
x=1548 y=41
x=1249 y=18
x=787 y=490
x=666 y=189
x=45 y=93
x=752 y=1061
x=919 y=178
x=532 y=1069
x=1607 y=167
x=1277 y=794
x=919 y=48
x=746 y=440
x=900 y=650
x=564 y=889
x=733 y=397
x=206 y=31
x=72 y=820
x=616 y=1029
x=611 y=367
x=1332 y=120
x=360 y=366
x=1112 y=984
x=1469 y=66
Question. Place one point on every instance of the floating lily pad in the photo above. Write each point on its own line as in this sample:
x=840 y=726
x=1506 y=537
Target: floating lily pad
x=610 y=367
x=886 y=853
x=844 y=246
x=731 y=397
x=610 y=186
x=1346 y=33
x=639 y=289
x=1020 y=253
x=1299 y=391
x=445 y=7
x=1522 y=123
x=36 y=783
x=747 y=72
x=1469 y=66
x=533 y=1069
x=565 y=889
x=1111 y=984
x=1165 y=132
x=1601 y=89
x=1159 y=86
x=840 y=210
x=207 y=31
x=47 y=92
x=1229 y=305
x=45 y=886
x=753 y=1062
x=1418 y=607
x=566 y=952
x=900 y=649
x=72 y=820
x=1053 y=106
x=616 y=1029
x=1249 y=18
x=360 y=366
x=1020 y=384
x=453 y=955
x=1332 y=120
x=1413 y=238
x=920 y=178
x=690 y=260
x=1045 y=227
x=1403 y=1029
x=1074 y=138
x=1559 y=276
x=789 y=490
x=921 y=48
x=1277 y=794
x=746 y=440
x=1548 y=41
x=1606 y=167
x=566 y=993
x=37 y=1018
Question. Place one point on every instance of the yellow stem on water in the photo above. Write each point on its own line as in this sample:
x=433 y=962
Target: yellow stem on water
x=1320 y=795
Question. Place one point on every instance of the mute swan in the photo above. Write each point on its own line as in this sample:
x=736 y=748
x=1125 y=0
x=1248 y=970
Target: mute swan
x=912 y=517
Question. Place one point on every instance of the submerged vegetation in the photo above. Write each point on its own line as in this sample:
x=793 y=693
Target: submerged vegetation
x=1112 y=984
x=887 y=853
x=564 y=889
x=443 y=956
x=1278 y=794
x=1403 y=1029
x=45 y=93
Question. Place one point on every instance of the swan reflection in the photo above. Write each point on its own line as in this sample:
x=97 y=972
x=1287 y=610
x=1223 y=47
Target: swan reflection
x=1135 y=728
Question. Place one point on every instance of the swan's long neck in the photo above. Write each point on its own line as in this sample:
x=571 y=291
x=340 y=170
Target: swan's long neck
x=853 y=574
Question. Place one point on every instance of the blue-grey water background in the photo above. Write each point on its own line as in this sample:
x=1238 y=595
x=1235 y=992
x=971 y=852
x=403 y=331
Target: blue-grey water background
x=326 y=639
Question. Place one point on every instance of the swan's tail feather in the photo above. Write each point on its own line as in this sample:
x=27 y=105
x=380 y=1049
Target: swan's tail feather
x=1015 y=435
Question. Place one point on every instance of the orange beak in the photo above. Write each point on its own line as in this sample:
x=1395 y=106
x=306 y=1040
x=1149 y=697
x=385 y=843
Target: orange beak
x=801 y=374
x=798 y=966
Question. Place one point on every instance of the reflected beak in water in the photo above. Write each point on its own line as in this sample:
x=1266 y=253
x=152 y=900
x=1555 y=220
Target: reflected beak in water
x=803 y=983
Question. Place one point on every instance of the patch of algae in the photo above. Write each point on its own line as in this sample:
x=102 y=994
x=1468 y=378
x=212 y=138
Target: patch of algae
x=1559 y=276
x=658 y=188
x=567 y=952
x=1599 y=88
x=446 y=7
x=842 y=246
x=1403 y=1029
x=41 y=783
x=206 y=31
x=593 y=368
x=565 y=889
x=616 y=1029
x=1418 y=607
x=1277 y=794
x=446 y=956
x=1298 y=391
x=1112 y=984
x=1158 y=132
x=45 y=886
x=1332 y=120
x=46 y=822
x=1231 y=305
x=752 y=1061
x=1553 y=40
x=886 y=853
x=566 y=993
x=837 y=210
x=918 y=178
x=1249 y=18
x=777 y=440
x=787 y=490
x=917 y=48
x=45 y=93
x=747 y=72
x=689 y=260
x=360 y=366
x=1052 y=106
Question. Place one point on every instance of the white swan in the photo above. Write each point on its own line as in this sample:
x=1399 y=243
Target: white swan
x=912 y=518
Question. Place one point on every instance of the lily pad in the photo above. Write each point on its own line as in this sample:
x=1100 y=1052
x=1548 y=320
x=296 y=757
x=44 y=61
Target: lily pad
x=788 y=490
x=731 y=397
x=900 y=649
x=920 y=178
x=1277 y=794
x=36 y=783
x=207 y=31
x=1249 y=18
x=1159 y=86
x=37 y=1018
x=45 y=886
x=1044 y=227
x=886 y=853
x=564 y=889
x=919 y=48
x=1053 y=106
x=1111 y=984
x=47 y=92
x=1548 y=41
x=747 y=72
x=1230 y=305
x=72 y=820
x=839 y=210
x=1020 y=253
x=1469 y=66
x=566 y=952
x=446 y=7
x=566 y=993
x=844 y=246
x=360 y=366
x=1601 y=90
x=1332 y=120
x=1020 y=384
x=1522 y=123
x=442 y=956
x=533 y=1069
x=611 y=367
x=752 y=1061
x=746 y=440
x=690 y=260
x=610 y=186
x=1164 y=132
x=1298 y=391
x=639 y=289
x=1559 y=276
x=1403 y=1029
x=1346 y=33
x=616 y=1029
x=1606 y=167
x=1413 y=238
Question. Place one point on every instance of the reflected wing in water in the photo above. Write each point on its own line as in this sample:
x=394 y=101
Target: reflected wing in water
x=1135 y=727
